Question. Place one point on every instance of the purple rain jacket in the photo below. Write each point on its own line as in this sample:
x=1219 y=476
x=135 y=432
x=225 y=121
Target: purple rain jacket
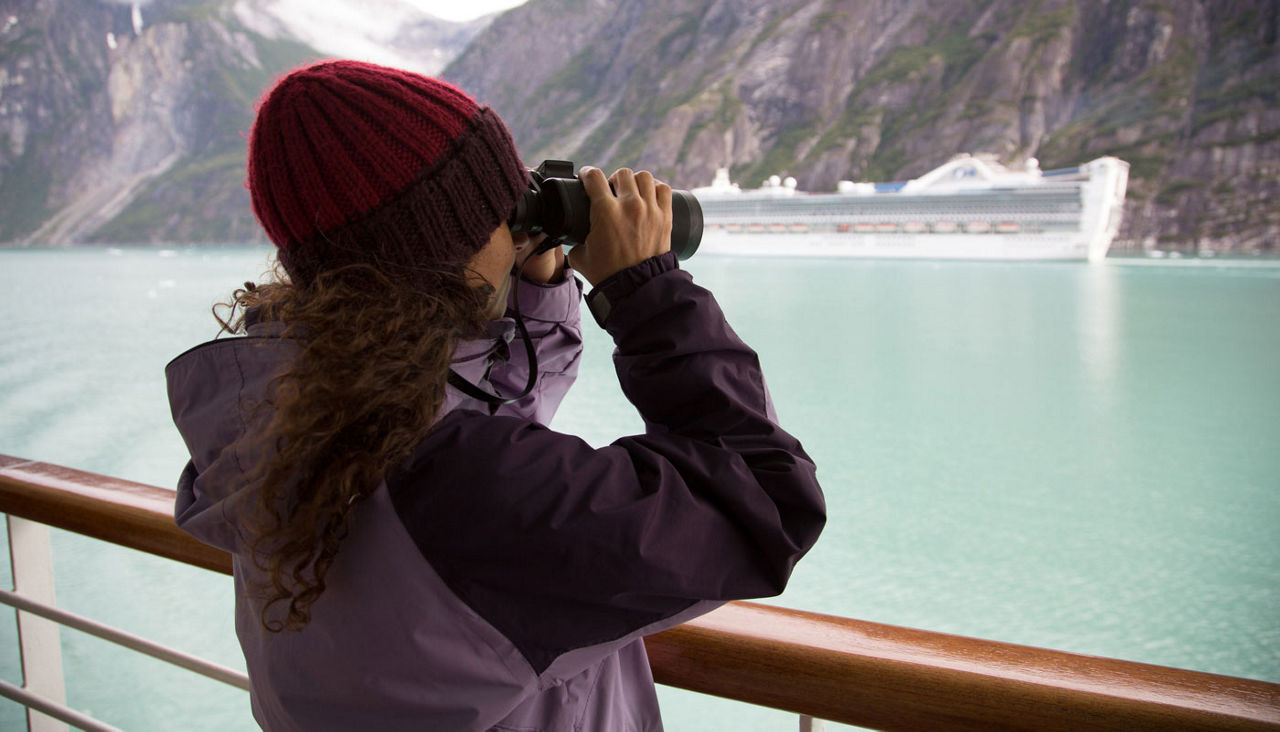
x=504 y=576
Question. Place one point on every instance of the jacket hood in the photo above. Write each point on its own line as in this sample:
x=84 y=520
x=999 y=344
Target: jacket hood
x=214 y=392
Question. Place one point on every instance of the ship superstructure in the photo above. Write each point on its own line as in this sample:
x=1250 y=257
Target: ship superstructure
x=969 y=208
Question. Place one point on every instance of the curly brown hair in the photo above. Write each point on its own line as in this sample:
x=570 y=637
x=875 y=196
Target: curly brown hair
x=362 y=392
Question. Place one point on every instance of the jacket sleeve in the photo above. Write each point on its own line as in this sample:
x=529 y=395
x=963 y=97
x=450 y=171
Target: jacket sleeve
x=568 y=549
x=551 y=315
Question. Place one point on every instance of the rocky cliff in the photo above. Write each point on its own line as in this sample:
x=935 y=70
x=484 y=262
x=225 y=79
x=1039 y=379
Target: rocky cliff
x=124 y=125
x=127 y=123
x=824 y=90
x=120 y=128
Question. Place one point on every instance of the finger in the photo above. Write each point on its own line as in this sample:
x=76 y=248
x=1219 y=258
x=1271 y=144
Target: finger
x=624 y=181
x=596 y=185
x=578 y=258
x=662 y=194
x=645 y=185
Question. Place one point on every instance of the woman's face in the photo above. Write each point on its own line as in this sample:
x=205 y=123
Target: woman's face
x=492 y=266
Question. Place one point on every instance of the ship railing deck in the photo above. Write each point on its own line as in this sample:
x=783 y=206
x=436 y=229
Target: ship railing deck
x=817 y=666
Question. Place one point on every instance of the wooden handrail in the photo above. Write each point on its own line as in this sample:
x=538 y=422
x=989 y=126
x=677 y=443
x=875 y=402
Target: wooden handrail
x=119 y=511
x=845 y=670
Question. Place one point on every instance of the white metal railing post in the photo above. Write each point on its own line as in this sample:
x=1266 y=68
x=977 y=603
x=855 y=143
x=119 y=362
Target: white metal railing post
x=809 y=724
x=39 y=641
x=230 y=676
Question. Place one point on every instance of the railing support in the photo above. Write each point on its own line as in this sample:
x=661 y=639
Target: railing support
x=61 y=712
x=809 y=724
x=209 y=669
x=839 y=669
x=39 y=641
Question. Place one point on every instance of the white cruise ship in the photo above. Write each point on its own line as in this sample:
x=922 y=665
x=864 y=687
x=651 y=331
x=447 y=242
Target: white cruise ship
x=970 y=208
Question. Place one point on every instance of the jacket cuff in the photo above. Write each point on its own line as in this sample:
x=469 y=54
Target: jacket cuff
x=555 y=303
x=617 y=287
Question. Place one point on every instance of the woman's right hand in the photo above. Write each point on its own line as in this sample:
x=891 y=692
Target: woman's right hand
x=629 y=223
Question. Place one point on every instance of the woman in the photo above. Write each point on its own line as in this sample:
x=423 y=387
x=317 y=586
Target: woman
x=410 y=557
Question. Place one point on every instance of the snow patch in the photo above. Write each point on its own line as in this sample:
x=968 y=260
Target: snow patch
x=363 y=31
x=459 y=12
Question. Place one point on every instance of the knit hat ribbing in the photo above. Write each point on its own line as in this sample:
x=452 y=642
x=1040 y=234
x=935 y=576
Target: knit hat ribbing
x=350 y=162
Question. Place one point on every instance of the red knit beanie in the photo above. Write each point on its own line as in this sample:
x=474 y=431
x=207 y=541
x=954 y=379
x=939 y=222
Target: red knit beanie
x=355 y=163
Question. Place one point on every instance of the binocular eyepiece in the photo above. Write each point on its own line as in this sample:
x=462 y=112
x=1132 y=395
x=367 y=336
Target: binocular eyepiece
x=557 y=204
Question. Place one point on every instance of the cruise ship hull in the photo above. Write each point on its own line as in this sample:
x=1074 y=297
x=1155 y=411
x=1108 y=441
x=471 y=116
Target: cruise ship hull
x=968 y=208
x=898 y=246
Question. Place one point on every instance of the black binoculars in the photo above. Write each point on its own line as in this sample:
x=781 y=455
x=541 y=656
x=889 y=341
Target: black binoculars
x=557 y=204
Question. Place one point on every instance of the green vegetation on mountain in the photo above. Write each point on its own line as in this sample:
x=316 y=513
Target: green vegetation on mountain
x=824 y=90
x=1186 y=91
x=24 y=190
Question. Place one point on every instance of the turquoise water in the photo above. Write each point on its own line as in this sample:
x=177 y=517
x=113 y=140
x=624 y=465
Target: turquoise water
x=1077 y=457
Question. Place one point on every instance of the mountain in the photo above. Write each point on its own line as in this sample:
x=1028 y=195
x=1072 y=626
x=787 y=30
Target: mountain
x=824 y=90
x=127 y=123
x=388 y=32
x=123 y=123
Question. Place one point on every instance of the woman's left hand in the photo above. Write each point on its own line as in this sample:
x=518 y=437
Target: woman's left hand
x=546 y=268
